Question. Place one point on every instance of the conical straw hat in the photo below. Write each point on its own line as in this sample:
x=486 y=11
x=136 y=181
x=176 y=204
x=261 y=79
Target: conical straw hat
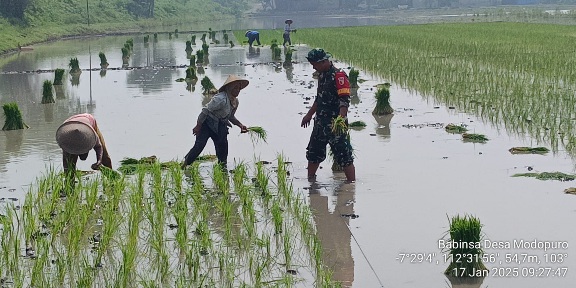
x=234 y=78
x=76 y=137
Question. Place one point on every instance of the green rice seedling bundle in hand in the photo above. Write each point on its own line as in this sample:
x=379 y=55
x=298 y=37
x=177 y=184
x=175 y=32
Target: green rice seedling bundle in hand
x=13 y=117
x=188 y=46
x=457 y=129
x=339 y=126
x=353 y=78
x=383 y=101
x=466 y=255
x=74 y=65
x=58 y=76
x=47 y=93
x=471 y=137
x=528 y=150
x=257 y=133
x=207 y=86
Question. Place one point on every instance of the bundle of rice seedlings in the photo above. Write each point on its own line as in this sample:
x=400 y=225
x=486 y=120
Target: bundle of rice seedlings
x=474 y=137
x=188 y=46
x=288 y=56
x=58 y=76
x=191 y=73
x=155 y=37
x=130 y=43
x=353 y=78
x=207 y=86
x=146 y=39
x=193 y=39
x=357 y=124
x=125 y=54
x=47 y=94
x=199 y=56
x=192 y=60
x=13 y=117
x=548 y=176
x=383 y=101
x=205 y=48
x=225 y=37
x=74 y=65
x=109 y=173
x=529 y=150
x=231 y=43
x=103 y=60
x=457 y=129
x=466 y=253
x=257 y=133
x=339 y=126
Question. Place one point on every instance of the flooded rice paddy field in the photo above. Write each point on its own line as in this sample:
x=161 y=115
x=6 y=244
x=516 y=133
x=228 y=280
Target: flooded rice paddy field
x=411 y=174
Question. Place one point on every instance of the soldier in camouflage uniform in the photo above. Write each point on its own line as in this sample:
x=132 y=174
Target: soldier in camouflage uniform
x=332 y=99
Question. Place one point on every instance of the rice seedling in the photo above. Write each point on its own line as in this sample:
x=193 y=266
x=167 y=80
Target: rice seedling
x=529 y=150
x=146 y=39
x=225 y=37
x=193 y=39
x=203 y=38
x=47 y=92
x=257 y=133
x=353 y=77
x=231 y=43
x=58 y=76
x=188 y=46
x=155 y=37
x=339 y=125
x=383 y=101
x=357 y=124
x=548 y=176
x=130 y=43
x=472 y=137
x=191 y=73
x=103 y=60
x=207 y=86
x=456 y=129
x=465 y=260
x=13 y=117
x=205 y=49
x=200 y=57
x=74 y=66
x=125 y=56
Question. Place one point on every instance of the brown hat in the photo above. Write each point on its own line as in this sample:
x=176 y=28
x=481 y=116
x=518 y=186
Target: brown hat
x=76 y=137
x=234 y=78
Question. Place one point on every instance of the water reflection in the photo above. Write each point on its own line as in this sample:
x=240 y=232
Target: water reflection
x=14 y=140
x=383 y=127
x=354 y=99
x=253 y=52
x=332 y=211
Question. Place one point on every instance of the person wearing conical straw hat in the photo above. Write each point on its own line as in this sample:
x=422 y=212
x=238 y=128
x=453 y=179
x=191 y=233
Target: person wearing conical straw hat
x=252 y=36
x=287 y=30
x=215 y=119
x=76 y=137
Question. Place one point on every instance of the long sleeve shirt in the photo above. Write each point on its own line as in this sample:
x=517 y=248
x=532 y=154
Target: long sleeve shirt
x=219 y=109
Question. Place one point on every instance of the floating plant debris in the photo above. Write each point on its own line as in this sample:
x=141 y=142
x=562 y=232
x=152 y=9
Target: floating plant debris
x=474 y=137
x=548 y=176
x=453 y=128
x=529 y=150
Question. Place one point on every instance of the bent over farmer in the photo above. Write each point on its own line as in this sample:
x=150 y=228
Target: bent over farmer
x=77 y=136
x=332 y=99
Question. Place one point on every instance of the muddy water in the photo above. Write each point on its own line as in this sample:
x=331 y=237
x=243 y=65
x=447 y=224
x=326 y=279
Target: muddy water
x=412 y=175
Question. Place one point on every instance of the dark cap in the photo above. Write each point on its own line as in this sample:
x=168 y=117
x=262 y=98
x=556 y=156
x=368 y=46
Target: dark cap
x=317 y=55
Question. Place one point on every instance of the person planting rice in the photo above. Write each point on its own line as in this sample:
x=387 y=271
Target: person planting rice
x=287 y=30
x=214 y=120
x=77 y=136
x=253 y=36
x=332 y=100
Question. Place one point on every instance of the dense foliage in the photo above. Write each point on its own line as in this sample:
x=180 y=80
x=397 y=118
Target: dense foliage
x=39 y=12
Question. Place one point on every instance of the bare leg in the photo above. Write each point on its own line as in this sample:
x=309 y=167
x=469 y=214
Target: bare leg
x=350 y=172
x=312 y=168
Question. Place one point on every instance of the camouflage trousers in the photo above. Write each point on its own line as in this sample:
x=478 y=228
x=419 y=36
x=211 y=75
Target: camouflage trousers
x=321 y=136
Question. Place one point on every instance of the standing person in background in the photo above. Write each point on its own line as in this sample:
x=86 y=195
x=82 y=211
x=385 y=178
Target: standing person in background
x=332 y=100
x=214 y=120
x=77 y=136
x=253 y=36
x=287 y=30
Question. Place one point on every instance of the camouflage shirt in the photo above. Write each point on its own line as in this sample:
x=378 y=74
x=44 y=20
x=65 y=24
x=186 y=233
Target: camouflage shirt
x=333 y=92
